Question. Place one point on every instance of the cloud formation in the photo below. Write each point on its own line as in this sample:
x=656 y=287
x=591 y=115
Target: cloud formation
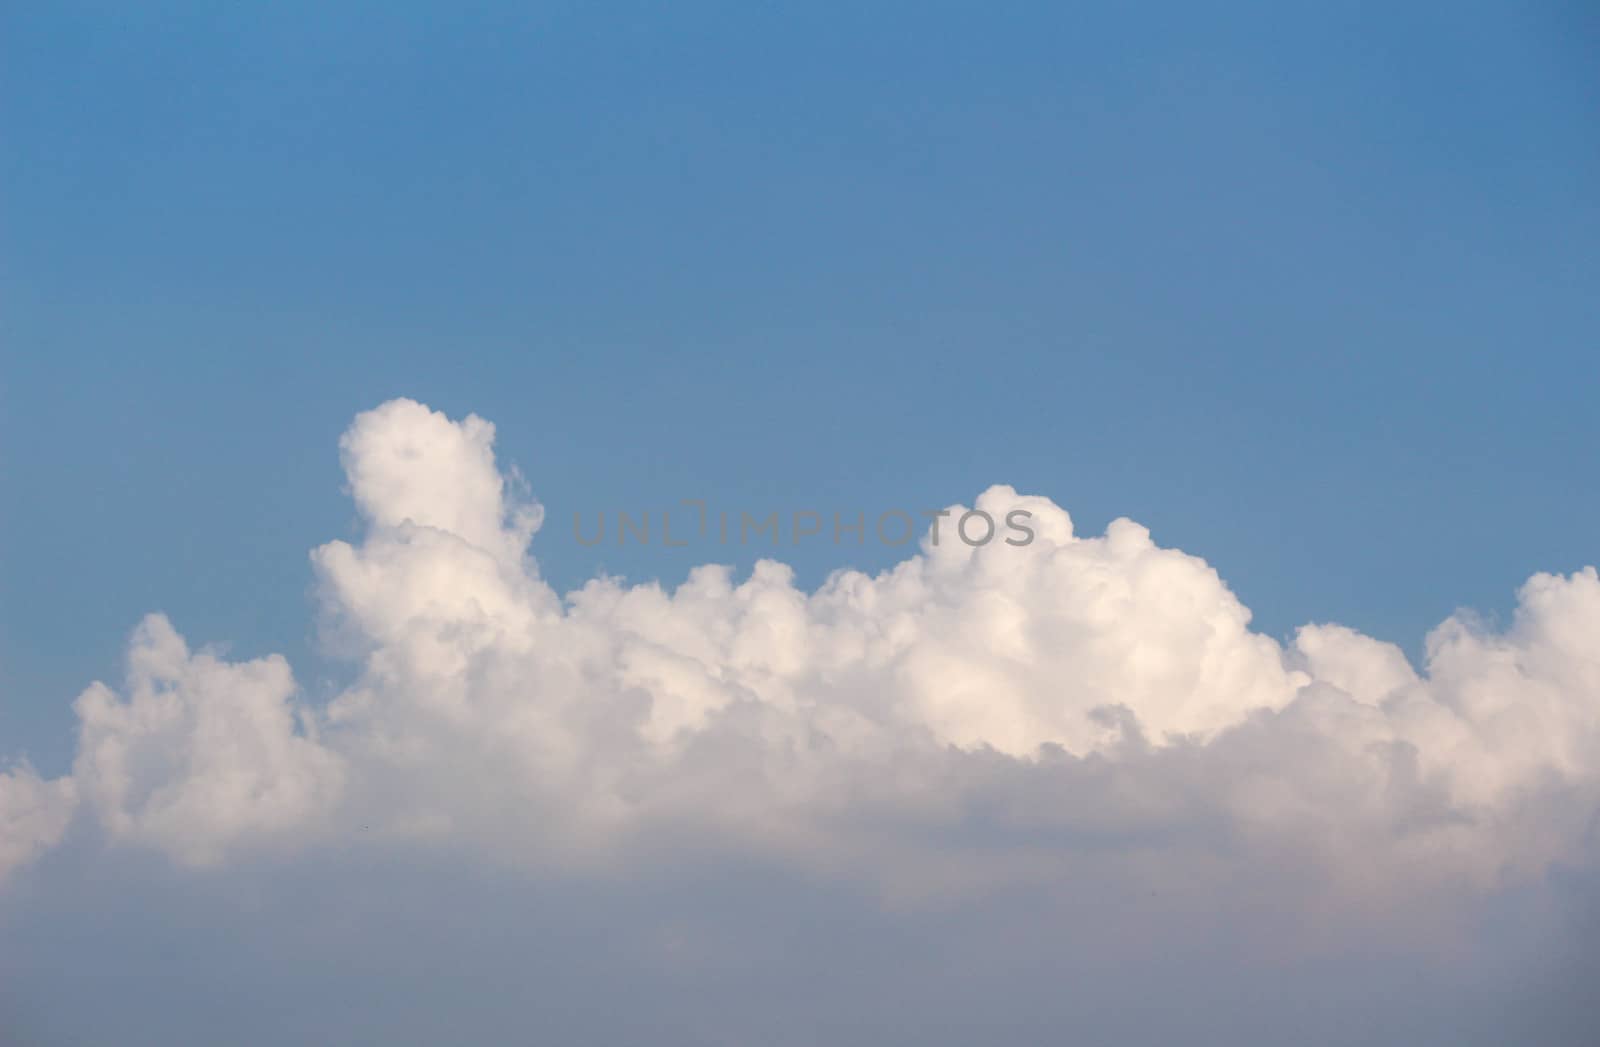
x=1099 y=678
x=1081 y=711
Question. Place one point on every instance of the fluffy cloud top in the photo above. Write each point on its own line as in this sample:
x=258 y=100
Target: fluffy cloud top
x=974 y=715
x=33 y=815
x=202 y=754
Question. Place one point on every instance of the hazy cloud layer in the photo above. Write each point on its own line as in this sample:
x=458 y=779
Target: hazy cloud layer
x=1080 y=738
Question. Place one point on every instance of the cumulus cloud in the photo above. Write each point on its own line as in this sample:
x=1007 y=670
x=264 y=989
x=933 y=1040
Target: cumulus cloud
x=1084 y=710
x=1078 y=680
x=202 y=753
x=33 y=815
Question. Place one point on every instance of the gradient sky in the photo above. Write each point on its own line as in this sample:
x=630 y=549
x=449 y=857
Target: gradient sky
x=1310 y=290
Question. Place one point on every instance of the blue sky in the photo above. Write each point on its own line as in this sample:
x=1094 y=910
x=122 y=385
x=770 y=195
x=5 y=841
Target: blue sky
x=1307 y=289
x=1310 y=294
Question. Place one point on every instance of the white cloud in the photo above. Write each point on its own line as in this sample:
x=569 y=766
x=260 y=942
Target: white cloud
x=1083 y=704
x=203 y=754
x=33 y=815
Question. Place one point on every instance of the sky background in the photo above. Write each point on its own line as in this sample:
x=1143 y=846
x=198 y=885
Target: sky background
x=1309 y=290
